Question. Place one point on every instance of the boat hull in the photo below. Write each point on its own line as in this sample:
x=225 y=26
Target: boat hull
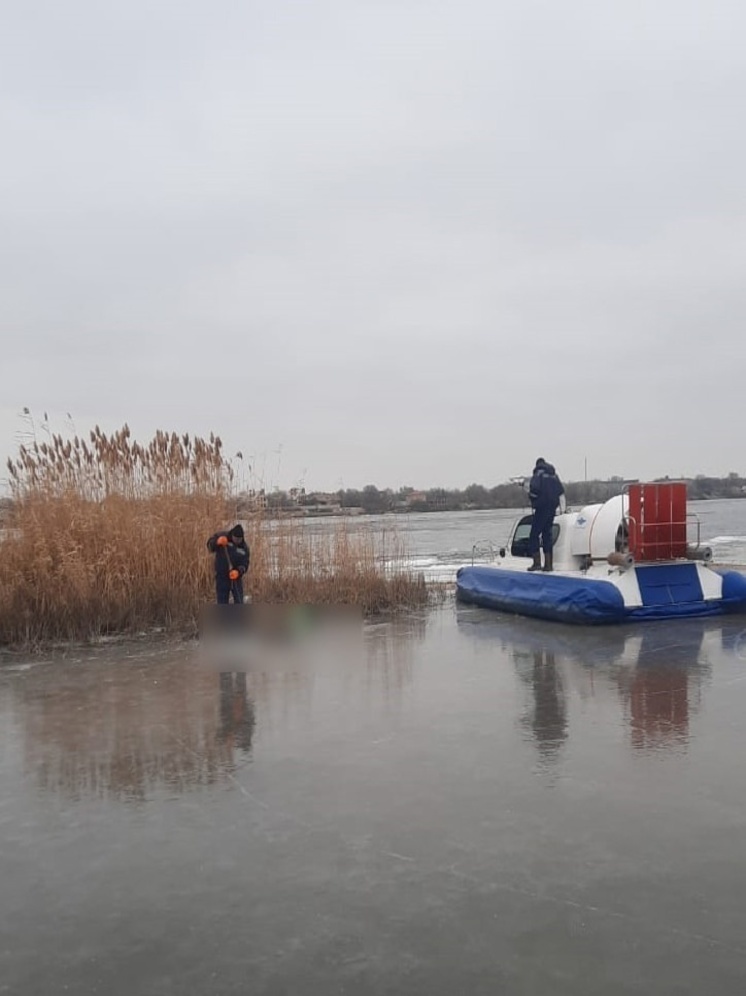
x=578 y=599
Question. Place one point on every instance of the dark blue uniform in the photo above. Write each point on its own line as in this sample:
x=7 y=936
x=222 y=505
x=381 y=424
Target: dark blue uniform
x=235 y=556
x=544 y=492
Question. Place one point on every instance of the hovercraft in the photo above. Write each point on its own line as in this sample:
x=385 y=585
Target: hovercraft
x=632 y=557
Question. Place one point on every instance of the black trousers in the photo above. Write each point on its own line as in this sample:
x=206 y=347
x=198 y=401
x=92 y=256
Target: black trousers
x=224 y=588
x=541 y=528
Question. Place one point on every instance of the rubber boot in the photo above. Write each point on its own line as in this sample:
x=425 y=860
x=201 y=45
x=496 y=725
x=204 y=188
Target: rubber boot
x=548 y=562
x=536 y=566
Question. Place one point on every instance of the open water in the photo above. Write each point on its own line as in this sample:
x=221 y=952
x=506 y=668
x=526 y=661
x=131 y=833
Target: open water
x=440 y=543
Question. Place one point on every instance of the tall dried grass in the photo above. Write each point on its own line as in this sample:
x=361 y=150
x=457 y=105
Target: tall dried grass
x=107 y=536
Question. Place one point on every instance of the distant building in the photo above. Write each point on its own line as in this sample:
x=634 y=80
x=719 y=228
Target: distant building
x=257 y=499
x=416 y=498
x=330 y=499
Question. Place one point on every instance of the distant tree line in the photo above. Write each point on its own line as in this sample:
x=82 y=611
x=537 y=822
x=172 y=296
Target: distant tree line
x=702 y=488
x=371 y=500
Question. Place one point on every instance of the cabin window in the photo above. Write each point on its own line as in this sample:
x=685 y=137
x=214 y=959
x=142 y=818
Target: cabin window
x=519 y=545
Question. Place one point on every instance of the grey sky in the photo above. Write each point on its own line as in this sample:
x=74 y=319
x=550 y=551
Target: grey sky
x=407 y=242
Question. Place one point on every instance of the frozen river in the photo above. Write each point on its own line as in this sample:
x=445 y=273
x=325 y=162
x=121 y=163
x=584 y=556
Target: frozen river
x=464 y=803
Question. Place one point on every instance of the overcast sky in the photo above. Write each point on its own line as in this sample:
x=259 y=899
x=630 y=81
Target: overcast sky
x=388 y=241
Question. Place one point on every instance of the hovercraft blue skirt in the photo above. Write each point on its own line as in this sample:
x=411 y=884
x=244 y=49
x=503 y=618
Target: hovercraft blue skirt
x=587 y=601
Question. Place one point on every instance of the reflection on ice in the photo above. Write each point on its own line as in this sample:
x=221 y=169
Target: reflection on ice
x=662 y=689
x=655 y=672
x=236 y=713
x=128 y=726
x=548 y=721
x=127 y=731
x=124 y=726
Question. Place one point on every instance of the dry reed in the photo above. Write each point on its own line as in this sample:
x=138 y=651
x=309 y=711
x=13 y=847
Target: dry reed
x=107 y=536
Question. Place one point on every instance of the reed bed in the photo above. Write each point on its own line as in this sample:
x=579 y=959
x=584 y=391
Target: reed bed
x=107 y=536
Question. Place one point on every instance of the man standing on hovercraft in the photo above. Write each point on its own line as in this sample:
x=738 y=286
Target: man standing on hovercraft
x=544 y=492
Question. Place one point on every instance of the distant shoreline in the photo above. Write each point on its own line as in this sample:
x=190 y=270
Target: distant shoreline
x=370 y=500
x=355 y=513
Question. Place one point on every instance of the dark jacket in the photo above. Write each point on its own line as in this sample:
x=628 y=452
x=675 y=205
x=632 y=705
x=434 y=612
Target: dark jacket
x=545 y=488
x=234 y=556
